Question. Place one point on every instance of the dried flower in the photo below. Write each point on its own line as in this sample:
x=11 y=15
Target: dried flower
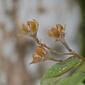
x=40 y=50
x=30 y=28
x=33 y=25
x=58 y=32
x=59 y=27
x=36 y=58
x=54 y=33
x=24 y=28
x=41 y=54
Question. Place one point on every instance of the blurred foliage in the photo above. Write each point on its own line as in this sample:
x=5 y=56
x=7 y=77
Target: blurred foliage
x=82 y=25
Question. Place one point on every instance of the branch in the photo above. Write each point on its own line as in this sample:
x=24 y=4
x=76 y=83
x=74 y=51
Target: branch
x=63 y=41
x=52 y=50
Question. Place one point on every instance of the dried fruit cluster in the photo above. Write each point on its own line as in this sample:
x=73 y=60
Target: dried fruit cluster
x=41 y=51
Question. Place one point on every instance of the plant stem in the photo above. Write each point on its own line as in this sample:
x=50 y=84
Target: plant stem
x=52 y=50
x=66 y=45
x=59 y=60
x=63 y=41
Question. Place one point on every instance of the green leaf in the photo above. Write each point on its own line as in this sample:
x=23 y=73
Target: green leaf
x=75 y=79
x=56 y=71
x=81 y=68
x=78 y=77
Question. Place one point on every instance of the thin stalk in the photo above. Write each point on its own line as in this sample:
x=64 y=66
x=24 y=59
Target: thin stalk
x=66 y=45
x=70 y=50
x=52 y=50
